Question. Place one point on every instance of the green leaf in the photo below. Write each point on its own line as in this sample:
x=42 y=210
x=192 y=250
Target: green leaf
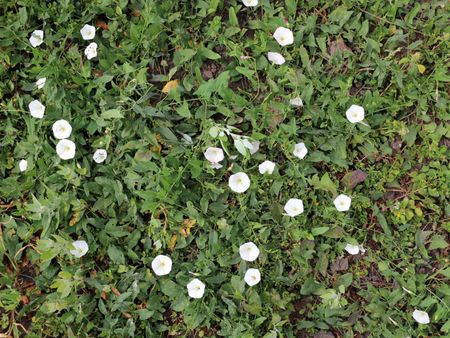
x=116 y=255
x=183 y=55
x=112 y=114
x=438 y=242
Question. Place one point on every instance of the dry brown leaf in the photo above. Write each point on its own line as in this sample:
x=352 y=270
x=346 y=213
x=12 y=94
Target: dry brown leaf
x=169 y=86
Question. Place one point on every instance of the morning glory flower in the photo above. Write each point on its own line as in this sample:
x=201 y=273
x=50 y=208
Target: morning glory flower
x=196 y=288
x=352 y=249
x=284 y=36
x=40 y=83
x=239 y=182
x=276 y=58
x=266 y=167
x=250 y=3
x=87 y=32
x=37 y=109
x=300 y=150
x=296 y=101
x=80 y=248
x=252 y=277
x=91 y=50
x=355 y=113
x=342 y=202
x=23 y=165
x=65 y=149
x=37 y=38
x=421 y=317
x=100 y=155
x=162 y=265
x=294 y=207
x=61 y=129
x=214 y=156
x=249 y=251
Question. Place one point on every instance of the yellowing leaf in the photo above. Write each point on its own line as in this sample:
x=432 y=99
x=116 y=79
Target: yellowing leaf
x=173 y=242
x=188 y=223
x=169 y=86
x=421 y=69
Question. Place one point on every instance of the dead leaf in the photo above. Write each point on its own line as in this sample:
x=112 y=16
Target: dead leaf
x=102 y=25
x=103 y=295
x=173 y=241
x=188 y=224
x=341 y=264
x=169 y=86
x=115 y=291
x=353 y=178
x=338 y=45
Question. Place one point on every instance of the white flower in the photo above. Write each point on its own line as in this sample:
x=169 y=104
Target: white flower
x=216 y=165
x=294 y=207
x=23 y=165
x=80 y=248
x=214 y=156
x=300 y=150
x=162 y=265
x=355 y=113
x=249 y=251
x=266 y=167
x=87 y=32
x=296 y=101
x=239 y=182
x=40 y=83
x=61 y=129
x=276 y=58
x=100 y=155
x=352 y=249
x=37 y=109
x=250 y=3
x=283 y=36
x=195 y=288
x=421 y=317
x=37 y=38
x=255 y=147
x=252 y=277
x=65 y=149
x=91 y=51
x=342 y=202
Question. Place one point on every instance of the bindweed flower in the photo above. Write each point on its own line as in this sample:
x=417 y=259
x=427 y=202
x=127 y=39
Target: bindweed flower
x=37 y=109
x=276 y=58
x=87 y=32
x=100 y=155
x=300 y=150
x=80 y=248
x=214 y=156
x=342 y=202
x=40 y=83
x=37 y=38
x=162 y=265
x=23 y=165
x=252 y=277
x=355 y=113
x=421 y=317
x=250 y=3
x=249 y=251
x=65 y=149
x=266 y=167
x=91 y=50
x=61 y=129
x=284 y=36
x=296 y=101
x=294 y=207
x=255 y=147
x=239 y=182
x=196 y=288
x=353 y=249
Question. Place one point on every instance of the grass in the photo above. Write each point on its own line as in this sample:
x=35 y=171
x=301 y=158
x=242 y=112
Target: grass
x=168 y=77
